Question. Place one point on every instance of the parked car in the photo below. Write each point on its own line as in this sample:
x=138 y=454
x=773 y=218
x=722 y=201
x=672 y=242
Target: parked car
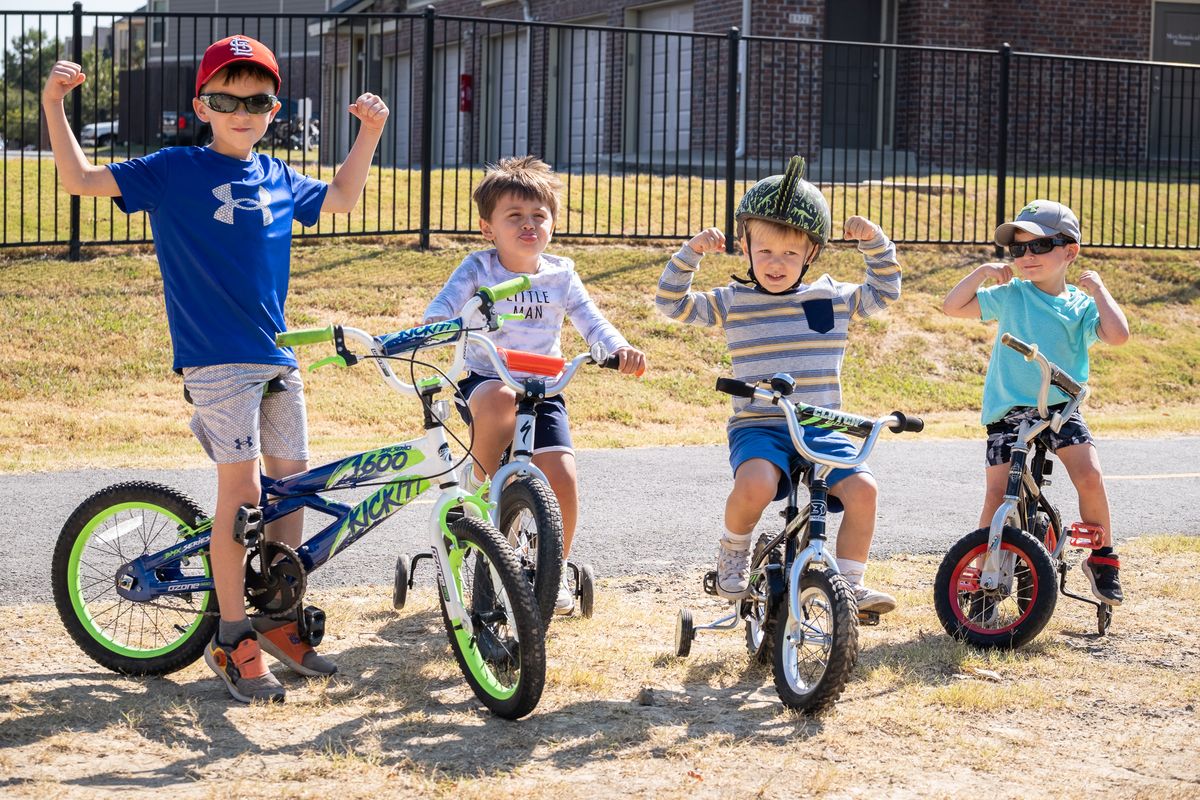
x=182 y=127
x=100 y=134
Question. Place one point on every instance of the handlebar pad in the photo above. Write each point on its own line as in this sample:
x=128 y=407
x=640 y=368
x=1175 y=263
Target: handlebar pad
x=907 y=424
x=503 y=291
x=614 y=362
x=535 y=363
x=1016 y=344
x=735 y=387
x=304 y=336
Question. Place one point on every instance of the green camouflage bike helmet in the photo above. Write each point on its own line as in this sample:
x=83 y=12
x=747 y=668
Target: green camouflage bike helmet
x=789 y=200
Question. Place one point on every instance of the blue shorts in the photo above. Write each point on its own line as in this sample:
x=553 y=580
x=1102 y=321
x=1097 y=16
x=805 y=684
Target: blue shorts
x=550 y=432
x=773 y=443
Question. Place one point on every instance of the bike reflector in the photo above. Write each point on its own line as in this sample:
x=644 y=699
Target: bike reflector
x=534 y=363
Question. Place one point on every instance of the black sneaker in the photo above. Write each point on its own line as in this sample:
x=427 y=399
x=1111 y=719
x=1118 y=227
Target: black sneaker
x=1103 y=573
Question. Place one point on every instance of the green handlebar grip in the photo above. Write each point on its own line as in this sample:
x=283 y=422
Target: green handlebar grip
x=511 y=317
x=503 y=291
x=304 y=336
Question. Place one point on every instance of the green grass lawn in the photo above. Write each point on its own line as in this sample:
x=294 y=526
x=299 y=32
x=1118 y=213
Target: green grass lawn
x=87 y=375
x=937 y=208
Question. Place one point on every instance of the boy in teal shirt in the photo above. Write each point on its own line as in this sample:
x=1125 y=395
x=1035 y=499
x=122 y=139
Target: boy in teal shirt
x=1064 y=321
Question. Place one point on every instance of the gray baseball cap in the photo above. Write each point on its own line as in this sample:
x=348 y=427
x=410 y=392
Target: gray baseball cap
x=1041 y=218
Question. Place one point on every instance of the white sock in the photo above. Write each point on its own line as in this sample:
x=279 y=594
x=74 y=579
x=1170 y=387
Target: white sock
x=736 y=541
x=469 y=481
x=853 y=571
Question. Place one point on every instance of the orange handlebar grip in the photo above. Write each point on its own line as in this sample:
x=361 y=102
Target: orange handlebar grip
x=535 y=363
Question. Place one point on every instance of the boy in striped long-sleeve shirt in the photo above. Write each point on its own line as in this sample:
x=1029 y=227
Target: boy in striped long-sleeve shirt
x=774 y=322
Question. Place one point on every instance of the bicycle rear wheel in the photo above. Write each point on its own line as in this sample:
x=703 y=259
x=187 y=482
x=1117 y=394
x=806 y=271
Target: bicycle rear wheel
x=504 y=660
x=814 y=656
x=108 y=530
x=532 y=522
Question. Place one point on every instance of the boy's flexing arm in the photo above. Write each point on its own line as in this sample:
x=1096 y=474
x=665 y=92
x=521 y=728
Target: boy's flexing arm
x=348 y=182
x=882 y=286
x=1113 y=328
x=674 y=296
x=77 y=174
x=962 y=300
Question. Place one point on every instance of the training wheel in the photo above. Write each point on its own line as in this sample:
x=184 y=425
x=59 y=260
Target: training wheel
x=685 y=631
x=1103 y=618
x=586 y=590
x=400 y=587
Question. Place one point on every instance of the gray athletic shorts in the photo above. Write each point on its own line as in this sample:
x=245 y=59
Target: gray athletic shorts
x=235 y=421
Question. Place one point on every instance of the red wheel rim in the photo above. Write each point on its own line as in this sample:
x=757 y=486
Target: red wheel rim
x=966 y=575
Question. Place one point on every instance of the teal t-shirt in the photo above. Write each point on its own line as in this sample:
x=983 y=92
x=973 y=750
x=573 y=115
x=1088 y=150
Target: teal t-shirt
x=1063 y=327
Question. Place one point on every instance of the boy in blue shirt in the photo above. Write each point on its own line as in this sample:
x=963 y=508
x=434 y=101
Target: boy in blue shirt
x=222 y=220
x=1064 y=321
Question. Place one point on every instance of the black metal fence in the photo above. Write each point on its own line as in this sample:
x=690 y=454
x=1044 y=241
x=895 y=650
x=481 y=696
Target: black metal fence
x=655 y=133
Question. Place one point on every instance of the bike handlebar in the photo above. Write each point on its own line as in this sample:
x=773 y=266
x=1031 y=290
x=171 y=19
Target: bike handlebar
x=304 y=336
x=1052 y=374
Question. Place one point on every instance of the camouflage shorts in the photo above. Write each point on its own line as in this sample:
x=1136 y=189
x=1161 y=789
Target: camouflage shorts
x=1002 y=435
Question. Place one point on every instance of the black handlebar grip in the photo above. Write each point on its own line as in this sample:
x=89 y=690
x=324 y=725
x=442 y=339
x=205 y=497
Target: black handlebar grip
x=906 y=424
x=612 y=362
x=735 y=387
x=1065 y=382
x=1016 y=344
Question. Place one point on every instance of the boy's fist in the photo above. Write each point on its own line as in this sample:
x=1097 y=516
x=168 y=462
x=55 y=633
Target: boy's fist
x=998 y=270
x=861 y=229
x=370 y=110
x=64 y=76
x=709 y=240
x=1090 y=282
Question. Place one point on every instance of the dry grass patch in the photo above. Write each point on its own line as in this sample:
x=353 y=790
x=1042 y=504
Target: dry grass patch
x=924 y=716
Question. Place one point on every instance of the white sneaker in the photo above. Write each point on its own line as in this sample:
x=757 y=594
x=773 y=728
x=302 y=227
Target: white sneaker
x=468 y=480
x=733 y=572
x=873 y=600
x=565 y=603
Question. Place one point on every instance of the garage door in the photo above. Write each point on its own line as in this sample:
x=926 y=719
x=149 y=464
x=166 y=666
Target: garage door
x=665 y=80
x=447 y=121
x=582 y=60
x=397 y=93
x=508 y=98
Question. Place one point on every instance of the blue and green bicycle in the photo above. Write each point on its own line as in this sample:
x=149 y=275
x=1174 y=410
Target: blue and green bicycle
x=131 y=571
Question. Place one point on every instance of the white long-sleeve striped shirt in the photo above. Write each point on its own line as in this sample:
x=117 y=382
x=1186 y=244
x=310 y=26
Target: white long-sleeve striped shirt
x=802 y=333
x=555 y=292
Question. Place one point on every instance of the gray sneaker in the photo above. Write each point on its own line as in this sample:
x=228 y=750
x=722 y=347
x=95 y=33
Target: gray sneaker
x=565 y=603
x=733 y=571
x=873 y=599
x=242 y=668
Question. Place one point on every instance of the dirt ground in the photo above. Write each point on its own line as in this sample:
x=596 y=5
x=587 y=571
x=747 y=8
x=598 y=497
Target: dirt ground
x=1071 y=715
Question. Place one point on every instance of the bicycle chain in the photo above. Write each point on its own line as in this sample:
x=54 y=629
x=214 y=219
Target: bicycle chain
x=286 y=551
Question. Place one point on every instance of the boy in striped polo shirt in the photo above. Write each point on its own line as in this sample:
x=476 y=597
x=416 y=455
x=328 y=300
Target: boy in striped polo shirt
x=774 y=322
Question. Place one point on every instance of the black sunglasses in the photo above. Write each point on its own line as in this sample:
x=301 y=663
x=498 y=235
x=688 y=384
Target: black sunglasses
x=228 y=103
x=1039 y=247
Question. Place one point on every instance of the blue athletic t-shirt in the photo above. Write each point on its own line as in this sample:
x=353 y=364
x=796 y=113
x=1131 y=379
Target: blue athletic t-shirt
x=223 y=234
x=1062 y=326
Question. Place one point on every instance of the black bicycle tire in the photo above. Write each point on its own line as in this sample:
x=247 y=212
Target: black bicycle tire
x=761 y=651
x=171 y=500
x=843 y=653
x=532 y=494
x=530 y=632
x=1035 y=619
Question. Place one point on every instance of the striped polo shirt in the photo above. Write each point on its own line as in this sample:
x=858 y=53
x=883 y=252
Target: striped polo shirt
x=802 y=333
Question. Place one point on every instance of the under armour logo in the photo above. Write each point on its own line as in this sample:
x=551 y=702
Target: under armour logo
x=224 y=193
x=241 y=48
x=237 y=443
x=1031 y=208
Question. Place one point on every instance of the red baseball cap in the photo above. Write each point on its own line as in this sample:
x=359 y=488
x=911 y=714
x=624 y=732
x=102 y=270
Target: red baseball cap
x=235 y=48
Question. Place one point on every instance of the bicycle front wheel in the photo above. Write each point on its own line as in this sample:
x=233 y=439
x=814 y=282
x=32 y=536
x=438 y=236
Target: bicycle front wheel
x=108 y=530
x=814 y=655
x=504 y=659
x=532 y=522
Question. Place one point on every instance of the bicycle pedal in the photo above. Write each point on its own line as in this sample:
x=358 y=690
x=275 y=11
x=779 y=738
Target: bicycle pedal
x=710 y=583
x=312 y=627
x=868 y=618
x=248 y=525
x=1086 y=536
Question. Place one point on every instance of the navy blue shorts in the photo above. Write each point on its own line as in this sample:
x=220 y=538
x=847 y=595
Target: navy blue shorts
x=550 y=433
x=774 y=443
x=1002 y=434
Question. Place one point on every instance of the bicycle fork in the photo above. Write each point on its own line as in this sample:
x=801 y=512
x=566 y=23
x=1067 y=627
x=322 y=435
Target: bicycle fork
x=998 y=570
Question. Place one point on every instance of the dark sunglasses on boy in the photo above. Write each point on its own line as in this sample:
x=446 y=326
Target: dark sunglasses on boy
x=1039 y=247
x=228 y=103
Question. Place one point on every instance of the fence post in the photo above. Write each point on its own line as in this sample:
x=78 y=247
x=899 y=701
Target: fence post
x=73 y=250
x=1002 y=146
x=427 y=127
x=731 y=131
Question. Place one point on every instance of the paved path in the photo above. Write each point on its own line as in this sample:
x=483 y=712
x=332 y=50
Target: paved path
x=658 y=508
